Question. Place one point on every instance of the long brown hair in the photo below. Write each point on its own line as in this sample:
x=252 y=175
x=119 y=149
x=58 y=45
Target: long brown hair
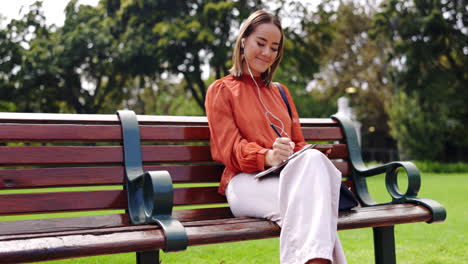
x=250 y=24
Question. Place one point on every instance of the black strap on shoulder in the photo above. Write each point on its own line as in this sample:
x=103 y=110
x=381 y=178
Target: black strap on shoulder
x=285 y=98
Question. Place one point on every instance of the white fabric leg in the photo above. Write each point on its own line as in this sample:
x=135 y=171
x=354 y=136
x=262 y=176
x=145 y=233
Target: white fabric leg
x=254 y=198
x=303 y=201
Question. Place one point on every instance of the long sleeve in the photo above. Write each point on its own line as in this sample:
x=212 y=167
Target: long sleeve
x=240 y=115
x=227 y=144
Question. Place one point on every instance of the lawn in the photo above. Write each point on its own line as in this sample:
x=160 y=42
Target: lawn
x=416 y=243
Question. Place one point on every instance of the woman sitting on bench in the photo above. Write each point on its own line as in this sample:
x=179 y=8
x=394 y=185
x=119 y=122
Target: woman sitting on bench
x=252 y=130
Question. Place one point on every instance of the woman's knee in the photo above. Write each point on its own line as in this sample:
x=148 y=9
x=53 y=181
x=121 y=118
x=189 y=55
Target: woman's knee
x=314 y=155
x=314 y=158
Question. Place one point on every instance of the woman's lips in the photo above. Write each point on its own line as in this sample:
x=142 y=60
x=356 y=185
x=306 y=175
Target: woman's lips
x=262 y=60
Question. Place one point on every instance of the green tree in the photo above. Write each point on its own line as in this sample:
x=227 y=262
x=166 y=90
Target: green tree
x=10 y=55
x=89 y=63
x=356 y=67
x=66 y=69
x=27 y=71
x=430 y=66
x=178 y=37
x=143 y=55
x=306 y=45
x=352 y=64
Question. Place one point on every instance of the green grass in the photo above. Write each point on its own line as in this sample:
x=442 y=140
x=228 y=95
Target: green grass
x=420 y=242
x=416 y=243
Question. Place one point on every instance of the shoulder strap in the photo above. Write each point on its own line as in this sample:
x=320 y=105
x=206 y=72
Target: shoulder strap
x=285 y=98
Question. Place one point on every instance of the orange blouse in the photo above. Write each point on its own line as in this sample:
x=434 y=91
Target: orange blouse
x=240 y=130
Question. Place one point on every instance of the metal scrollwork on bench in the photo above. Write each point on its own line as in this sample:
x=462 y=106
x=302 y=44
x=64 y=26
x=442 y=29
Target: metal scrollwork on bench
x=361 y=172
x=150 y=193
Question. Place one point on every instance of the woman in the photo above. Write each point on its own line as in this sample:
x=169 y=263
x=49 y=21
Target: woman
x=246 y=113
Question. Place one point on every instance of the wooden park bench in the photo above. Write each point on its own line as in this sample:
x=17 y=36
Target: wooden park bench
x=94 y=159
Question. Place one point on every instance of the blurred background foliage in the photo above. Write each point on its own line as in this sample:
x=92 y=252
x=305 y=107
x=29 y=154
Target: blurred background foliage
x=402 y=64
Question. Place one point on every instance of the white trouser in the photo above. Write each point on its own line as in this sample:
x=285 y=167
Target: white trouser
x=303 y=201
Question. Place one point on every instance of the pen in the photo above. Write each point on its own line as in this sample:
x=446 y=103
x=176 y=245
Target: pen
x=276 y=130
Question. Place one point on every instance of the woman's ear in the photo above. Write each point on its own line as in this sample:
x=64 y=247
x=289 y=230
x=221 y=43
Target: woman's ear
x=242 y=42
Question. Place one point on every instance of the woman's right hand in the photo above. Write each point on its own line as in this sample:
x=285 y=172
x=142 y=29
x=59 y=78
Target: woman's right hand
x=282 y=148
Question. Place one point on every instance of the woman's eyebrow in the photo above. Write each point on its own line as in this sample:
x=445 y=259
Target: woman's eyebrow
x=264 y=39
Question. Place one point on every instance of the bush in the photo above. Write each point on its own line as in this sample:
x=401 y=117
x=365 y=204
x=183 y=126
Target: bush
x=438 y=167
x=419 y=128
x=433 y=166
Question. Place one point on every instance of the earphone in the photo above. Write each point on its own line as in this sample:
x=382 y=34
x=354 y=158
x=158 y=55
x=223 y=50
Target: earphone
x=267 y=111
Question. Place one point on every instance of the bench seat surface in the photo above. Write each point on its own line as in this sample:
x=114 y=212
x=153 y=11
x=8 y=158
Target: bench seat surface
x=34 y=240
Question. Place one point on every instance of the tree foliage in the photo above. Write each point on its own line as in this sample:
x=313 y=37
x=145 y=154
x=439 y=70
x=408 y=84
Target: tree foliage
x=26 y=71
x=407 y=60
x=60 y=69
x=353 y=65
x=430 y=73
x=417 y=130
x=306 y=45
x=120 y=53
x=178 y=37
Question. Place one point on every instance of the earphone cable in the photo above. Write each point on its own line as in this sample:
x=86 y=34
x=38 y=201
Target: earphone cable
x=268 y=112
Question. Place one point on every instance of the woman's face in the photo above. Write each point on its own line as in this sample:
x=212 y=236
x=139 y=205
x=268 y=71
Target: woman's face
x=261 y=48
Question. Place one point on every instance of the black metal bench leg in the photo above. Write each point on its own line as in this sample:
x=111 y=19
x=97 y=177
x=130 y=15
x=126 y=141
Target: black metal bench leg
x=148 y=257
x=384 y=245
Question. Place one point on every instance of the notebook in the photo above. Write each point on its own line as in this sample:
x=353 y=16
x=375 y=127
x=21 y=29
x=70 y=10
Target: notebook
x=281 y=164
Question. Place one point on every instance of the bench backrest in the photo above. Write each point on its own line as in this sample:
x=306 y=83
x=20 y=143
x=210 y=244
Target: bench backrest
x=42 y=153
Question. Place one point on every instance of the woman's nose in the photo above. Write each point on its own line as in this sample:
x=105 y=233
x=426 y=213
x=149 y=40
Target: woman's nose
x=266 y=51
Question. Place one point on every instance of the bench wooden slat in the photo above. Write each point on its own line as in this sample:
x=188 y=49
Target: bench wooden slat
x=322 y=133
x=125 y=228
x=113 y=133
x=344 y=167
x=93 y=133
x=61 y=201
x=108 y=175
x=57 y=133
x=108 y=241
x=35 y=155
x=95 y=200
x=198 y=195
x=47 y=118
x=140 y=238
x=357 y=218
x=29 y=228
x=383 y=215
x=60 y=177
x=53 y=248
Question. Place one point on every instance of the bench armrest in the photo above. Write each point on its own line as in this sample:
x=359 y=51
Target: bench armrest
x=360 y=172
x=149 y=193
